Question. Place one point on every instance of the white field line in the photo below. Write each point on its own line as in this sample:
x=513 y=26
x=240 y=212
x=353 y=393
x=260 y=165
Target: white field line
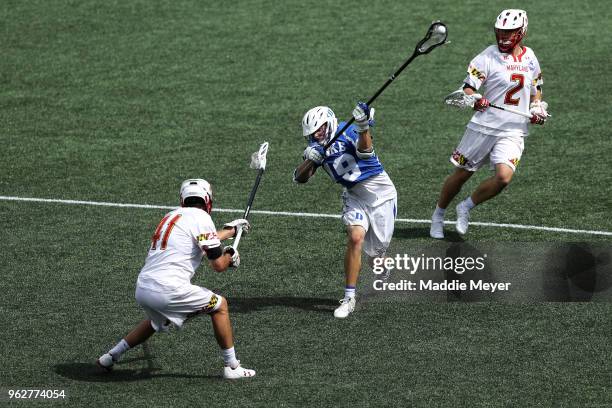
x=301 y=214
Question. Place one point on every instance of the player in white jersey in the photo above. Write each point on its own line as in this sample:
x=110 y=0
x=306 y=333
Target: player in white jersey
x=370 y=199
x=510 y=75
x=164 y=288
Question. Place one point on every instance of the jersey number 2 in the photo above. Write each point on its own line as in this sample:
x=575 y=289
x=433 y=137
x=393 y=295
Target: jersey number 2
x=520 y=82
x=165 y=226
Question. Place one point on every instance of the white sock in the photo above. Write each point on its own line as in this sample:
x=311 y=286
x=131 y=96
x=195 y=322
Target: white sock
x=119 y=349
x=229 y=357
x=349 y=291
x=439 y=212
x=469 y=204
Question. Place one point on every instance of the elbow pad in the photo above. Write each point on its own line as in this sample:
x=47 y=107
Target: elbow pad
x=365 y=155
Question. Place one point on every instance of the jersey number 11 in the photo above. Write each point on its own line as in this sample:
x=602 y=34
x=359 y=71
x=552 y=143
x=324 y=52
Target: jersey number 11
x=166 y=228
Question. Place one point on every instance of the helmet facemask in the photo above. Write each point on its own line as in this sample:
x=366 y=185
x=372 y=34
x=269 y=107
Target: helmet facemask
x=508 y=39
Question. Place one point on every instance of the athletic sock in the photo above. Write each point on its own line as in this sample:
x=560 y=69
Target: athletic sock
x=439 y=212
x=349 y=291
x=469 y=204
x=119 y=349
x=229 y=357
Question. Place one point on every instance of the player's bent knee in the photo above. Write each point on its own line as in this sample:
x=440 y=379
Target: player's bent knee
x=504 y=178
x=356 y=236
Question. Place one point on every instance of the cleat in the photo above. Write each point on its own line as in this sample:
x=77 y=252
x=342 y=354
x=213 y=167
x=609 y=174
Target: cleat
x=463 y=217
x=437 y=228
x=106 y=362
x=347 y=306
x=237 y=373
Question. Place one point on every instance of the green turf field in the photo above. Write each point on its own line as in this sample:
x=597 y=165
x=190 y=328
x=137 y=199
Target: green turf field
x=119 y=101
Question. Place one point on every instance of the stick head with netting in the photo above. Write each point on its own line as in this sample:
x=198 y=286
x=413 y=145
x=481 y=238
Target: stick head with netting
x=436 y=35
x=461 y=100
x=258 y=159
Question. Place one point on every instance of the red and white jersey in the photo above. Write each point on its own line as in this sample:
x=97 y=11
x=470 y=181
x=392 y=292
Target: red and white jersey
x=508 y=81
x=177 y=247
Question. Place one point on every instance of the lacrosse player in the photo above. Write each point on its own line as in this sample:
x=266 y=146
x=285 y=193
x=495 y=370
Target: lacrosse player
x=164 y=288
x=369 y=196
x=510 y=76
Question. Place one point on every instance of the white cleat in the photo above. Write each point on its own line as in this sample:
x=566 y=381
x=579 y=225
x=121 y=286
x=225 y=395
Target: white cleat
x=237 y=373
x=347 y=306
x=106 y=362
x=437 y=228
x=463 y=217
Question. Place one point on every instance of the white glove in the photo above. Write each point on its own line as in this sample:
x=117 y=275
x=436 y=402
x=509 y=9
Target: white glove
x=239 y=223
x=363 y=114
x=314 y=154
x=539 y=108
x=235 y=261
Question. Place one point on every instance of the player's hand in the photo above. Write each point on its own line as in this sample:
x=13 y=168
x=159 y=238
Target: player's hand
x=364 y=116
x=314 y=153
x=537 y=119
x=481 y=104
x=539 y=112
x=235 y=256
x=238 y=223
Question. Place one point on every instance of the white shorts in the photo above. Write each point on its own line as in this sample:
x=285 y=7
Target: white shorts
x=378 y=222
x=173 y=308
x=476 y=147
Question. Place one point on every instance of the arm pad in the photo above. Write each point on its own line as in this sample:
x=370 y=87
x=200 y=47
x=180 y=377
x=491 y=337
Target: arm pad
x=214 y=253
x=365 y=155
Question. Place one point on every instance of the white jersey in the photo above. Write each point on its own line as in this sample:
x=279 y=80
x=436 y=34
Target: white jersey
x=177 y=247
x=508 y=81
x=374 y=190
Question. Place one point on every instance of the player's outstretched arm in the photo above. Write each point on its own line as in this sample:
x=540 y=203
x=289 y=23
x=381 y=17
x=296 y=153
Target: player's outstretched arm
x=364 y=118
x=230 y=229
x=304 y=171
x=313 y=158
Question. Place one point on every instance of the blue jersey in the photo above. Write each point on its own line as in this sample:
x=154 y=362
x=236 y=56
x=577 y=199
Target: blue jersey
x=342 y=163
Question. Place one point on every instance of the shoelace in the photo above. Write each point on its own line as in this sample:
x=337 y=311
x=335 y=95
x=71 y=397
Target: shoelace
x=345 y=301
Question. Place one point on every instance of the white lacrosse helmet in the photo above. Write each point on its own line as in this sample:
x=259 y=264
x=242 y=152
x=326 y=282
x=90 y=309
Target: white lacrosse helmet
x=510 y=19
x=317 y=117
x=197 y=188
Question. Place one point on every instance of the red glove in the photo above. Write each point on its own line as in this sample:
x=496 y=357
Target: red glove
x=537 y=119
x=481 y=104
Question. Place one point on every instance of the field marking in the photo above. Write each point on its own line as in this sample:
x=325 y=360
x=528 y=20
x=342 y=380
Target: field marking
x=301 y=214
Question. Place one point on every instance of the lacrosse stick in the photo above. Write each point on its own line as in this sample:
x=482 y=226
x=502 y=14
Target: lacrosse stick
x=462 y=100
x=258 y=162
x=436 y=35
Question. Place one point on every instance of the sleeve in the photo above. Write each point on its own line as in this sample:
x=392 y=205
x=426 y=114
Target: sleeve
x=537 y=76
x=205 y=234
x=477 y=71
x=352 y=136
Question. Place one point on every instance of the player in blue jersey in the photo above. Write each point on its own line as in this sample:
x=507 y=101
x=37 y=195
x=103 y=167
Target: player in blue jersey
x=369 y=196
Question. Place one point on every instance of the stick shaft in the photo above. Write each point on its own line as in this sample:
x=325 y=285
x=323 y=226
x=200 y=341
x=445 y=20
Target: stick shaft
x=248 y=207
x=392 y=78
x=517 y=112
x=252 y=195
x=373 y=98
